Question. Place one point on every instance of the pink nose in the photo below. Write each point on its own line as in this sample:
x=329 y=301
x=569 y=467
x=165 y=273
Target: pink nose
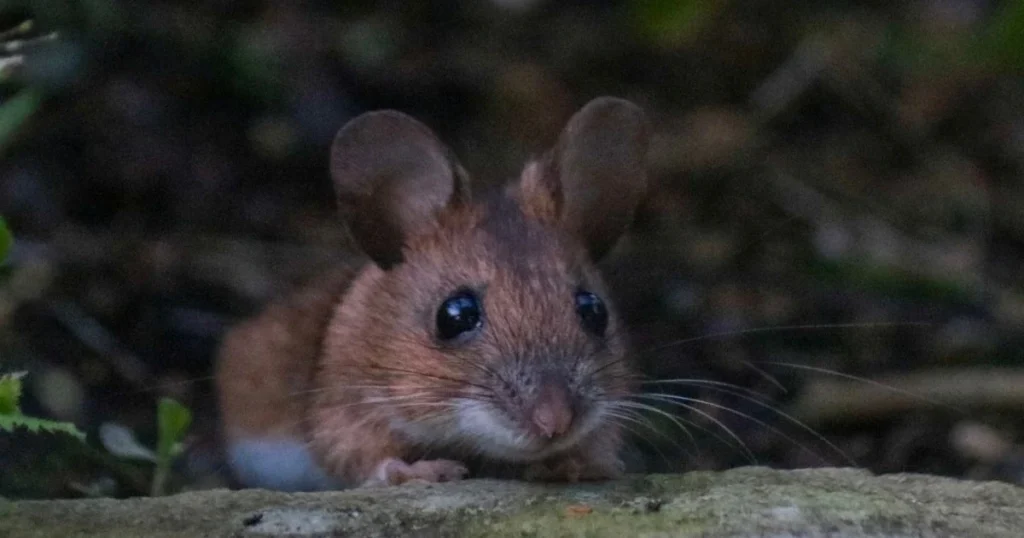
x=552 y=413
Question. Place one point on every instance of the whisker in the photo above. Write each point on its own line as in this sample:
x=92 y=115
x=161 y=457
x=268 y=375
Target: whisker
x=766 y=376
x=868 y=382
x=392 y=403
x=697 y=453
x=674 y=419
x=743 y=447
x=341 y=387
x=791 y=419
x=707 y=382
x=671 y=398
x=449 y=379
x=626 y=419
x=789 y=328
x=638 y=418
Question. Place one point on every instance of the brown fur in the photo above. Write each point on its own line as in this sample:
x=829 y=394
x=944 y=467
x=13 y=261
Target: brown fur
x=355 y=357
x=265 y=365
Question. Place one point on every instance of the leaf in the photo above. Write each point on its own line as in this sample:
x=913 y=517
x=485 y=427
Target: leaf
x=10 y=393
x=9 y=423
x=6 y=240
x=121 y=442
x=10 y=413
x=173 y=420
x=15 y=112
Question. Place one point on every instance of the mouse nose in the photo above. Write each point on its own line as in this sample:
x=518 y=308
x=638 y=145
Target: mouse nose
x=552 y=412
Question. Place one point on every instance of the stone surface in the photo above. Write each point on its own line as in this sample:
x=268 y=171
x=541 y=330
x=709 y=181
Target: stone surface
x=742 y=502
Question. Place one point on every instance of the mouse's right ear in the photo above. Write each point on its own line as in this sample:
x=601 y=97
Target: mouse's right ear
x=392 y=177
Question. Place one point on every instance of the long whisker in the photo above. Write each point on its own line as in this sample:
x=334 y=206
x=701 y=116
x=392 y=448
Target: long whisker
x=680 y=423
x=398 y=398
x=868 y=382
x=791 y=419
x=449 y=379
x=706 y=382
x=674 y=419
x=394 y=402
x=743 y=447
x=789 y=328
x=677 y=400
x=346 y=387
x=766 y=376
x=629 y=416
x=727 y=442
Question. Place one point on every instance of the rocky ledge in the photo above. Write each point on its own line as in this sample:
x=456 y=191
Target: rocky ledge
x=741 y=502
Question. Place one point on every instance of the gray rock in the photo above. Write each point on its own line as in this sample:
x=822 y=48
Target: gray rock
x=743 y=502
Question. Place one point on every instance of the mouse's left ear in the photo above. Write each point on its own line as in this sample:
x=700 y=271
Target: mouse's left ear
x=594 y=177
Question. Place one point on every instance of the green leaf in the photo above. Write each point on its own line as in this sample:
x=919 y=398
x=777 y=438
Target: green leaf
x=173 y=420
x=15 y=112
x=8 y=423
x=10 y=412
x=10 y=393
x=6 y=240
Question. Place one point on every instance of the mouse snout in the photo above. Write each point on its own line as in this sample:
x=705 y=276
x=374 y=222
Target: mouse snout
x=552 y=413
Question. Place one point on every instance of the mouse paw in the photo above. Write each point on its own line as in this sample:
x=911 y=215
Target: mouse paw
x=394 y=471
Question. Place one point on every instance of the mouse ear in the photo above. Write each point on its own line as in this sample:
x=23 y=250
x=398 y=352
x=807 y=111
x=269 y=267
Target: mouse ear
x=595 y=175
x=392 y=177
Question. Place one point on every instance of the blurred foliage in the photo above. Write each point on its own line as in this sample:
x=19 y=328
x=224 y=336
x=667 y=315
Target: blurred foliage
x=15 y=112
x=173 y=420
x=674 y=23
x=6 y=240
x=11 y=416
x=1003 y=40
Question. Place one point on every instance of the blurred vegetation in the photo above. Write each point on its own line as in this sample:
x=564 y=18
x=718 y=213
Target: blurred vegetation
x=6 y=240
x=12 y=418
x=835 y=185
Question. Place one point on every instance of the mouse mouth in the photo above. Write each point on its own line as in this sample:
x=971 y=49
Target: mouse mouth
x=494 y=433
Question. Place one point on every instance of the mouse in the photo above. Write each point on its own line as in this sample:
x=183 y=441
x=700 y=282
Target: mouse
x=474 y=331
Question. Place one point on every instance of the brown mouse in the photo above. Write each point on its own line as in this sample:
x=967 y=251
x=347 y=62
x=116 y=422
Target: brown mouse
x=477 y=329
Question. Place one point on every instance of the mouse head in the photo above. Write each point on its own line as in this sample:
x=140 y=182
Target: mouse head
x=484 y=322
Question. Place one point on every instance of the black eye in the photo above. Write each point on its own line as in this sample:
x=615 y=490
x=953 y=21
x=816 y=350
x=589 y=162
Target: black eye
x=458 y=314
x=592 y=311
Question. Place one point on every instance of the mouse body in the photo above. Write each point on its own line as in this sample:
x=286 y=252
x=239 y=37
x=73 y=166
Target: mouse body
x=476 y=330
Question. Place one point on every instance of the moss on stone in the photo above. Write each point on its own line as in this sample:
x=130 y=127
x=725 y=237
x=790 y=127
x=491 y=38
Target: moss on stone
x=741 y=502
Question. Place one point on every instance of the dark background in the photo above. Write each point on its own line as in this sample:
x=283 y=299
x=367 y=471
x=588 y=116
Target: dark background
x=835 y=185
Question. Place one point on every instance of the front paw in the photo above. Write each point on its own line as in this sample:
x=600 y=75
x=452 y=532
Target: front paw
x=574 y=468
x=393 y=471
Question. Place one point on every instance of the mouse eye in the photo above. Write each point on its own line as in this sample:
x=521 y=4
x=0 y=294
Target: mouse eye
x=458 y=314
x=592 y=311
